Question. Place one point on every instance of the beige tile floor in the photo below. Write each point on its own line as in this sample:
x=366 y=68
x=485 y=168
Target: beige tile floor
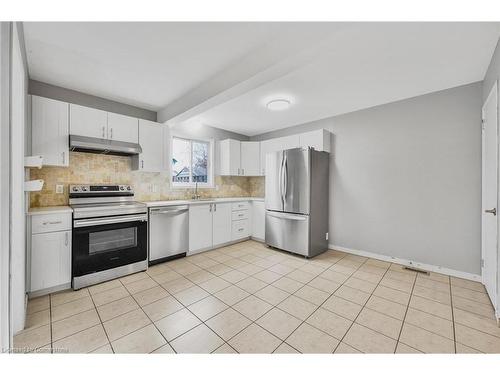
x=247 y=298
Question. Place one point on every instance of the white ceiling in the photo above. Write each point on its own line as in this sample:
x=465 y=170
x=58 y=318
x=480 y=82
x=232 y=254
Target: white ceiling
x=222 y=74
x=138 y=63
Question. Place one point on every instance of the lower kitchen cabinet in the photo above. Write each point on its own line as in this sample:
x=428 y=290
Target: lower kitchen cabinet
x=258 y=220
x=50 y=260
x=214 y=224
x=221 y=223
x=200 y=227
x=50 y=255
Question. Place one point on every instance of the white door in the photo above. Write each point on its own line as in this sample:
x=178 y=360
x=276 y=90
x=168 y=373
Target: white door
x=50 y=130
x=50 y=260
x=152 y=143
x=200 y=227
x=250 y=158
x=123 y=128
x=490 y=195
x=88 y=122
x=221 y=223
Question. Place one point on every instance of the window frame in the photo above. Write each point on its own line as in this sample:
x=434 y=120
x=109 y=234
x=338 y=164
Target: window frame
x=210 y=163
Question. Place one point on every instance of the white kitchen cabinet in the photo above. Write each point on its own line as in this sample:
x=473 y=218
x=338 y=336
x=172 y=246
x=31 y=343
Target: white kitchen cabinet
x=50 y=260
x=239 y=158
x=258 y=220
x=250 y=158
x=221 y=223
x=240 y=229
x=50 y=252
x=50 y=130
x=123 y=128
x=153 y=140
x=230 y=157
x=318 y=139
x=88 y=122
x=200 y=227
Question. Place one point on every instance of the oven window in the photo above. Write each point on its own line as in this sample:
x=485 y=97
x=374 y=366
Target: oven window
x=111 y=240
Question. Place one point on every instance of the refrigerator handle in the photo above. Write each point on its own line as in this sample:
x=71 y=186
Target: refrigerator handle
x=281 y=177
x=285 y=179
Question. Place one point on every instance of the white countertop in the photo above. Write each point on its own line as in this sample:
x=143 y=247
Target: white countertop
x=49 y=210
x=200 y=201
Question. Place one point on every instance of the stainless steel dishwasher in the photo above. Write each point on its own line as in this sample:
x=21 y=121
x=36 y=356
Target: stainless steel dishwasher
x=168 y=232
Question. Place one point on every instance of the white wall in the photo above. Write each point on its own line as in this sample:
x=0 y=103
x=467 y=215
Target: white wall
x=5 y=334
x=18 y=201
x=405 y=178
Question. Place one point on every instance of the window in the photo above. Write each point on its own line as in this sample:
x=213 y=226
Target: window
x=192 y=162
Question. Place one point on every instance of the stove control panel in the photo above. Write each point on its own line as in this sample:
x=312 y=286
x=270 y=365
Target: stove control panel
x=99 y=189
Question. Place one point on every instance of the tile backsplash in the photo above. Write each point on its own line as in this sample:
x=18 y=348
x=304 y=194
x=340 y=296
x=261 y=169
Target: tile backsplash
x=87 y=168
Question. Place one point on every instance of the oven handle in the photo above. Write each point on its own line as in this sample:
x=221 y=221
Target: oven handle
x=112 y=220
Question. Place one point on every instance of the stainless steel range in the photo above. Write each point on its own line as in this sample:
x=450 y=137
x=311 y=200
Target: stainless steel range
x=109 y=233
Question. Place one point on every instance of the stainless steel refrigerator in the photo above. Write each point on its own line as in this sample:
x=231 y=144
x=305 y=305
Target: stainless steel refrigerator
x=297 y=186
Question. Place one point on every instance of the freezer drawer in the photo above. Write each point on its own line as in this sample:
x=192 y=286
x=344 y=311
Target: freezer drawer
x=289 y=232
x=168 y=232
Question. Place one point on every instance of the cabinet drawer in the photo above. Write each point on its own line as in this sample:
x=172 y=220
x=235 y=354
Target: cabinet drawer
x=240 y=215
x=240 y=229
x=50 y=223
x=241 y=206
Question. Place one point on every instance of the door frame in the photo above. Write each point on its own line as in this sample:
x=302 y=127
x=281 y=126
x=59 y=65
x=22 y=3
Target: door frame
x=494 y=90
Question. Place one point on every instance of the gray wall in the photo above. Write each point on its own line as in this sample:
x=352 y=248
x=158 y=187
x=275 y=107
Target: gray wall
x=405 y=178
x=493 y=72
x=76 y=97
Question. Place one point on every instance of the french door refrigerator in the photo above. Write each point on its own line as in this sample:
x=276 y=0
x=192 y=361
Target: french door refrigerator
x=297 y=186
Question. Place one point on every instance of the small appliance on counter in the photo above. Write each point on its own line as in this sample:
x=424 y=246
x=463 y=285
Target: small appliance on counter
x=110 y=233
x=297 y=205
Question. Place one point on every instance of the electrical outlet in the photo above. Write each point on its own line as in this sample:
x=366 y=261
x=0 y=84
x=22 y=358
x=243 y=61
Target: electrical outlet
x=326 y=236
x=59 y=189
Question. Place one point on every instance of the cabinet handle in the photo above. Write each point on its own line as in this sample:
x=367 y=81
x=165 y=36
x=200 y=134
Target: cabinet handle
x=142 y=164
x=111 y=133
x=66 y=237
x=64 y=157
x=240 y=215
x=210 y=207
x=51 y=222
x=215 y=207
x=242 y=171
x=103 y=131
x=240 y=229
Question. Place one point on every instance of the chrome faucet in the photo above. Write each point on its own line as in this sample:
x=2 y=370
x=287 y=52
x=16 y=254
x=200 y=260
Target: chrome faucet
x=196 y=195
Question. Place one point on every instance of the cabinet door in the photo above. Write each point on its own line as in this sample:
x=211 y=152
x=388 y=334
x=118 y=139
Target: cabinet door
x=200 y=227
x=88 y=122
x=123 y=128
x=318 y=139
x=222 y=214
x=258 y=220
x=50 y=130
x=250 y=158
x=230 y=158
x=151 y=139
x=50 y=260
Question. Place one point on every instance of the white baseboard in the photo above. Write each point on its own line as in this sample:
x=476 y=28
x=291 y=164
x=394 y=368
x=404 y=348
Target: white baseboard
x=406 y=262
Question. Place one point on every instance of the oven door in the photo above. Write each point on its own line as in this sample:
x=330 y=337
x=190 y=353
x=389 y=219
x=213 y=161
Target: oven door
x=103 y=243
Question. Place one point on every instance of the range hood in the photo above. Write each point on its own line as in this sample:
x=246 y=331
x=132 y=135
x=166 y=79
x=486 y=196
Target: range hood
x=103 y=146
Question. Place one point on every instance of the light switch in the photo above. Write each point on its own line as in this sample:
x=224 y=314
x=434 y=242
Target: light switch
x=59 y=189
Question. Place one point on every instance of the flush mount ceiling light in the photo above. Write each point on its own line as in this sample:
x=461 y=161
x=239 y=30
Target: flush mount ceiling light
x=278 y=104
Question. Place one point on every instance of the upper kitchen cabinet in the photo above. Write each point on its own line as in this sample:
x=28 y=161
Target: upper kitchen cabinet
x=123 y=128
x=153 y=138
x=250 y=158
x=91 y=122
x=317 y=139
x=239 y=158
x=88 y=122
x=50 y=130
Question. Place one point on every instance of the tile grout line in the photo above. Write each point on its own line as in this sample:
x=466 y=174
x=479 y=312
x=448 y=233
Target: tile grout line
x=404 y=317
x=102 y=324
x=363 y=306
x=50 y=322
x=453 y=317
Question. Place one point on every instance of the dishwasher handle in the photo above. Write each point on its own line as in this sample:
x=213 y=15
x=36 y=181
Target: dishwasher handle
x=168 y=210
